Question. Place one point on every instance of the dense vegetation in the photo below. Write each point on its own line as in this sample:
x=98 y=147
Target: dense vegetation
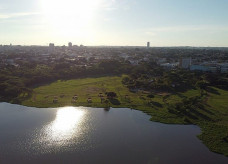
x=15 y=81
x=152 y=77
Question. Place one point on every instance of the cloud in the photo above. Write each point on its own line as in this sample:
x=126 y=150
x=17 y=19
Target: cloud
x=14 y=15
x=107 y=19
x=108 y=5
x=150 y=33
x=1 y=7
x=4 y=16
x=107 y=8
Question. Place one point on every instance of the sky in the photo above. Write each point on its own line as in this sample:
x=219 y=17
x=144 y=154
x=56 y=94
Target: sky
x=115 y=22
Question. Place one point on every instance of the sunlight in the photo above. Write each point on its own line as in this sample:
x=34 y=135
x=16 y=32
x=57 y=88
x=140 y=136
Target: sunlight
x=70 y=17
x=66 y=119
x=65 y=126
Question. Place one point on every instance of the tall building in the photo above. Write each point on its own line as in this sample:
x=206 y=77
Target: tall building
x=70 y=45
x=185 y=63
x=64 y=48
x=148 y=44
x=51 y=48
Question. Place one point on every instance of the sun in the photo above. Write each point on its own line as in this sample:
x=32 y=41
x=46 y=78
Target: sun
x=70 y=17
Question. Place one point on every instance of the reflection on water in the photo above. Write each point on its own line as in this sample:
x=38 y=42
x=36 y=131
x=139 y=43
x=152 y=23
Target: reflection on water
x=66 y=126
x=90 y=135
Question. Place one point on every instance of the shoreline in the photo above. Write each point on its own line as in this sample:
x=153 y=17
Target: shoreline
x=211 y=116
x=200 y=136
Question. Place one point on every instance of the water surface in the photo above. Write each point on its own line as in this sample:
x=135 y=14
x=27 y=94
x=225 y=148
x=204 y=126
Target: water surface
x=94 y=135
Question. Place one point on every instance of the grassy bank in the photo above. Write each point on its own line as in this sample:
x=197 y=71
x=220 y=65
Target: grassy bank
x=212 y=117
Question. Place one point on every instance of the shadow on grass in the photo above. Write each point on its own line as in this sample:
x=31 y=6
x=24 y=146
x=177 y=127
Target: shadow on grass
x=212 y=90
x=191 y=116
x=114 y=101
x=157 y=104
x=187 y=120
x=184 y=88
x=226 y=139
x=182 y=114
x=223 y=87
x=18 y=100
x=206 y=110
x=180 y=95
x=203 y=116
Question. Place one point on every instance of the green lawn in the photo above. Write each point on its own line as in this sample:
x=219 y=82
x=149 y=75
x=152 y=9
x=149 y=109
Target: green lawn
x=214 y=131
x=215 y=134
x=84 y=88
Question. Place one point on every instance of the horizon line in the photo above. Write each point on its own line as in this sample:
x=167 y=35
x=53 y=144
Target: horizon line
x=46 y=45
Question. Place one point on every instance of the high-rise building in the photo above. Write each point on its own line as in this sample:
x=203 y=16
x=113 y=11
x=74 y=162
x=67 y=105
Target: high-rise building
x=70 y=45
x=185 y=63
x=148 y=44
x=64 y=48
x=51 y=48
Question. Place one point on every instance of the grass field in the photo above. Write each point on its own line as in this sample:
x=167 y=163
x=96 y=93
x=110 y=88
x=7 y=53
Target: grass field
x=84 y=89
x=91 y=87
x=214 y=131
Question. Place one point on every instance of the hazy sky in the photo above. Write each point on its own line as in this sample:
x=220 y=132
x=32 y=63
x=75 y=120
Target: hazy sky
x=115 y=22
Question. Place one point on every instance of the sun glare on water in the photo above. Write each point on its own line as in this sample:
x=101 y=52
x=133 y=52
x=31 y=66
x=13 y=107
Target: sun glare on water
x=66 y=121
x=70 y=17
x=66 y=126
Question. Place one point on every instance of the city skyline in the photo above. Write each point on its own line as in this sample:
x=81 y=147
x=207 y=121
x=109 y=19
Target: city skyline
x=115 y=23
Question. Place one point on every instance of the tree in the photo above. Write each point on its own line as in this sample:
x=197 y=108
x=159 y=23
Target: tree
x=125 y=80
x=107 y=102
x=202 y=84
x=150 y=96
x=111 y=95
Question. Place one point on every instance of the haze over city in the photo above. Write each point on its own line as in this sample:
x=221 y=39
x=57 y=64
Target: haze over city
x=114 y=22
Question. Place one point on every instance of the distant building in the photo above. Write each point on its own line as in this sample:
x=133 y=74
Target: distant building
x=51 y=48
x=63 y=47
x=224 y=67
x=185 y=63
x=210 y=67
x=170 y=65
x=204 y=68
x=148 y=44
x=161 y=61
x=70 y=45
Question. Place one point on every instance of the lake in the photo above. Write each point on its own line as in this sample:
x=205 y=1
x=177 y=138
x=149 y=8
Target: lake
x=95 y=135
